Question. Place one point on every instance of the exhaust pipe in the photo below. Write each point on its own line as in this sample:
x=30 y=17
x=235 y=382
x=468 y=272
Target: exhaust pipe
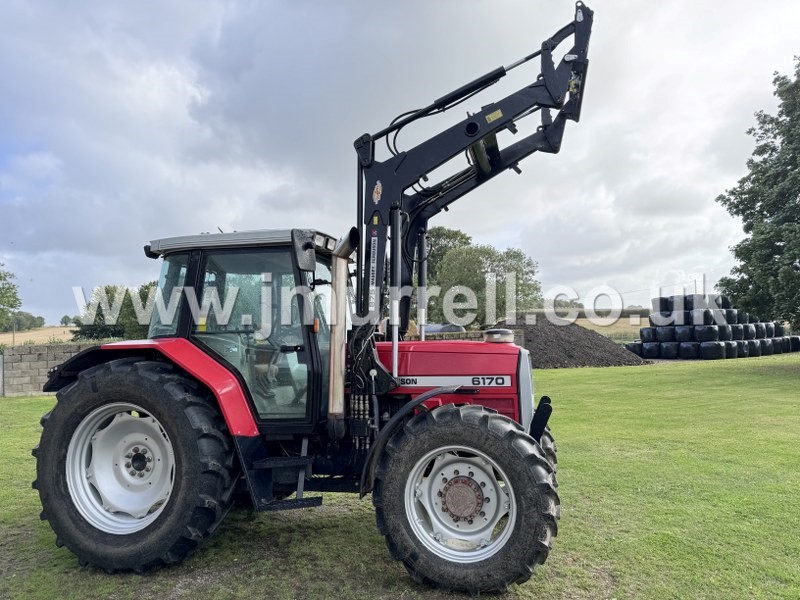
x=341 y=256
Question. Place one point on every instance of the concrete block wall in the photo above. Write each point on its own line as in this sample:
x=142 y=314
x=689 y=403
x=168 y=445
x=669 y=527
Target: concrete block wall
x=25 y=367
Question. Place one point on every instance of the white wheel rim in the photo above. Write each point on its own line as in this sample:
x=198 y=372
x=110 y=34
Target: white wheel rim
x=460 y=504
x=120 y=468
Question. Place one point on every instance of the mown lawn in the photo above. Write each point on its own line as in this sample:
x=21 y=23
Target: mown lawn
x=677 y=481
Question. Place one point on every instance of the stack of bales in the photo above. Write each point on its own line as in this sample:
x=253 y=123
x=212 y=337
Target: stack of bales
x=708 y=327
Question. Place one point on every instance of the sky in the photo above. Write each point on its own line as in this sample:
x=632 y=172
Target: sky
x=123 y=122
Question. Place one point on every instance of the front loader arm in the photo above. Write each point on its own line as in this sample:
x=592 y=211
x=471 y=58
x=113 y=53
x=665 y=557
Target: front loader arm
x=392 y=197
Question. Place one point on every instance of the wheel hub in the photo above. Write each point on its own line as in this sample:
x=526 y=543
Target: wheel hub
x=120 y=468
x=459 y=504
x=462 y=498
x=138 y=462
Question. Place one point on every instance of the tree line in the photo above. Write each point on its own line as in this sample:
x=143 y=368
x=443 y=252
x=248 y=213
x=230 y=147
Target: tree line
x=12 y=319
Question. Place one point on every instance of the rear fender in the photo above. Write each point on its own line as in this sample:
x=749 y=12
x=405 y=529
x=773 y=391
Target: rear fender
x=183 y=354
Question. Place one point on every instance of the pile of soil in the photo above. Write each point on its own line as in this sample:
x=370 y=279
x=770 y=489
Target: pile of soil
x=568 y=345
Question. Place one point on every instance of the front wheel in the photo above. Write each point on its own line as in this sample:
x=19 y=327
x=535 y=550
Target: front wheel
x=466 y=500
x=134 y=468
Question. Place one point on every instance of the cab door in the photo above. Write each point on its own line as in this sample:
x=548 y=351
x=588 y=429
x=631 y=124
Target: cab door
x=251 y=314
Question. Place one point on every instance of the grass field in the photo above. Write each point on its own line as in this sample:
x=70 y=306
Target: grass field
x=625 y=329
x=677 y=481
x=43 y=335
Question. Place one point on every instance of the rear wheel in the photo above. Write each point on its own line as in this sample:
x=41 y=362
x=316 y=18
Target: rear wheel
x=466 y=500
x=134 y=468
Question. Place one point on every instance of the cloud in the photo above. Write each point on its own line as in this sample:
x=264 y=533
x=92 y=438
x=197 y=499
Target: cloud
x=120 y=123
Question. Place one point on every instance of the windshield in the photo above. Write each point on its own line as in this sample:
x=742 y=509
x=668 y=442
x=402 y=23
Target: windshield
x=164 y=320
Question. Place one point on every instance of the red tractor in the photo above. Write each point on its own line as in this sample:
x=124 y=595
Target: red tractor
x=256 y=377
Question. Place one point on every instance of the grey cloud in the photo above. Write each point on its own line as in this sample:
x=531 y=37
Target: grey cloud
x=122 y=123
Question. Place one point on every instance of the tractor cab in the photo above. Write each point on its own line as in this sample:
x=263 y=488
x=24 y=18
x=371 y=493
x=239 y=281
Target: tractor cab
x=260 y=302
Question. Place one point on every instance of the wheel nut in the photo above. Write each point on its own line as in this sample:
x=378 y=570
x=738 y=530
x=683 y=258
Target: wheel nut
x=144 y=450
x=483 y=484
x=128 y=465
x=149 y=459
x=140 y=473
x=135 y=449
x=132 y=472
x=483 y=514
x=455 y=472
x=439 y=493
x=444 y=479
x=486 y=500
x=471 y=474
x=148 y=469
x=469 y=521
x=129 y=455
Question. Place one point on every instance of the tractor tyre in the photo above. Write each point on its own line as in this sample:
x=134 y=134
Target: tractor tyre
x=135 y=468
x=466 y=500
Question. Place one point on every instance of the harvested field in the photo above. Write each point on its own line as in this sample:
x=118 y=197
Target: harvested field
x=566 y=345
x=43 y=335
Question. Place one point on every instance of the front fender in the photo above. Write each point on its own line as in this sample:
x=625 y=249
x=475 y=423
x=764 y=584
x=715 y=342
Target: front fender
x=395 y=423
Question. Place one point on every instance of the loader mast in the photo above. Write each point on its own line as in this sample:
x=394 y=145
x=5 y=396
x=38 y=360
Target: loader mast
x=395 y=200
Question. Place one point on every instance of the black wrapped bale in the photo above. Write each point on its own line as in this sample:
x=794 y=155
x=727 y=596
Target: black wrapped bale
x=769 y=329
x=743 y=348
x=706 y=333
x=731 y=316
x=701 y=316
x=684 y=333
x=665 y=334
x=794 y=340
x=661 y=319
x=661 y=304
x=724 y=302
x=677 y=303
x=743 y=317
x=731 y=349
x=777 y=345
x=749 y=331
x=682 y=317
x=787 y=344
x=725 y=333
x=761 y=331
x=695 y=301
x=766 y=347
x=647 y=334
x=754 y=347
x=689 y=350
x=650 y=349
x=712 y=350
x=737 y=332
x=669 y=350
x=635 y=347
x=718 y=317
x=754 y=319
x=780 y=330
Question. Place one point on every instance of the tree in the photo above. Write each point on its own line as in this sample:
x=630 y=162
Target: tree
x=440 y=241
x=114 y=316
x=9 y=298
x=66 y=320
x=490 y=275
x=766 y=280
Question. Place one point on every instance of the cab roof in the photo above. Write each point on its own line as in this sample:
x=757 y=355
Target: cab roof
x=235 y=239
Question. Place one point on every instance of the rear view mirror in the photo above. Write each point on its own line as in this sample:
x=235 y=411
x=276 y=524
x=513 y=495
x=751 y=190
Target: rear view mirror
x=303 y=245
